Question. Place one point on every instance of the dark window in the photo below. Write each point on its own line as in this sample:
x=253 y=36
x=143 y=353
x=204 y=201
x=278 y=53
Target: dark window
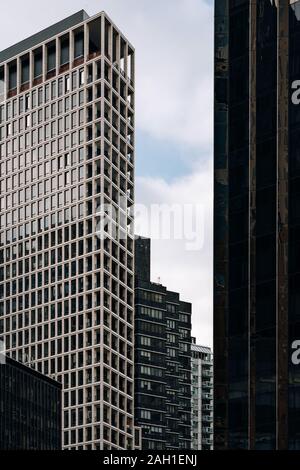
x=38 y=63
x=25 y=69
x=95 y=37
x=51 y=56
x=78 y=44
x=12 y=83
x=64 y=50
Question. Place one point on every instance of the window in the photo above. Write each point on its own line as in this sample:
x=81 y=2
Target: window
x=151 y=371
x=64 y=50
x=171 y=352
x=27 y=121
x=145 y=341
x=145 y=414
x=171 y=338
x=51 y=56
x=78 y=43
x=81 y=77
x=60 y=92
x=151 y=296
x=146 y=385
x=146 y=355
x=94 y=37
x=53 y=90
x=171 y=308
x=171 y=324
x=67 y=83
x=25 y=69
x=2 y=87
x=184 y=347
x=12 y=80
x=151 y=312
x=183 y=318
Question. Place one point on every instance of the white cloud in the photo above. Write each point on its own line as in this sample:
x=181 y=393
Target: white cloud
x=174 y=102
x=173 y=41
x=188 y=272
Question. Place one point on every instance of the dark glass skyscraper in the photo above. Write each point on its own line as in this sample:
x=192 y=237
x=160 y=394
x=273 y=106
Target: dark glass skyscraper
x=257 y=224
x=30 y=409
x=162 y=360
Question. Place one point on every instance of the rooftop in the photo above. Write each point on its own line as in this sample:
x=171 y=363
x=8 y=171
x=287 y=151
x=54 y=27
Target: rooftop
x=43 y=35
x=201 y=349
x=19 y=365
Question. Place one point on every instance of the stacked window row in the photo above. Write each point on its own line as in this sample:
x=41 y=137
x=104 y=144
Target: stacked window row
x=68 y=50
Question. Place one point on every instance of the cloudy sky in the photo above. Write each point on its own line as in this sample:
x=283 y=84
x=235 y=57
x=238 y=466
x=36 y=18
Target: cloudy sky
x=173 y=41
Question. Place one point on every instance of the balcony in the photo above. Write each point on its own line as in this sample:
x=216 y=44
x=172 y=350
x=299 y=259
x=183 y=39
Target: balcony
x=207 y=407
x=207 y=373
x=207 y=385
x=207 y=419
x=207 y=442
x=207 y=430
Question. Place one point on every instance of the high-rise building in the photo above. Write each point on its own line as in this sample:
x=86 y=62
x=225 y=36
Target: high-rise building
x=202 y=397
x=66 y=157
x=256 y=236
x=162 y=360
x=30 y=409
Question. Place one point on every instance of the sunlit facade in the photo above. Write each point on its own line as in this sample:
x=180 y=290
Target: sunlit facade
x=66 y=150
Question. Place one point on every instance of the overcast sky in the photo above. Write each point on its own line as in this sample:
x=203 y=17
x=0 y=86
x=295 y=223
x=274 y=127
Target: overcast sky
x=174 y=49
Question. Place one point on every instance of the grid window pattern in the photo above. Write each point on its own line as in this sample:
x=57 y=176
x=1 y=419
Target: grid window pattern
x=30 y=409
x=202 y=397
x=162 y=360
x=66 y=294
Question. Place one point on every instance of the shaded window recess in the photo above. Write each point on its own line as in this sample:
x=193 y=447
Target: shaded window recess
x=107 y=39
x=115 y=48
x=122 y=56
x=37 y=63
x=64 y=51
x=95 y=38
x=130 y=64
x=12 y=79
x=51 y=59
x=25 y=72
x=78 y=46
x=2 y=84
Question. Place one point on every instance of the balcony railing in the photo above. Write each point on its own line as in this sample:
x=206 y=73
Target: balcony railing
x=207 y=373
x=207 y=419
x=207 y=407
x=207 y=430
x=207 y=442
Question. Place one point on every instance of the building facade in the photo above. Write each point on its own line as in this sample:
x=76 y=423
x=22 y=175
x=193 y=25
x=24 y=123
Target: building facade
x=202 y=397
x=256 y=236
x=162 y=360
x=30 y=409
x=67 y=165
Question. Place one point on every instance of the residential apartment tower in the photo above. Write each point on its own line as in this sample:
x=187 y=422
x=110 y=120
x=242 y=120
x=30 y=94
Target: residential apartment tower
x=202 y=397
x=162 y=360
x=66 y=278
